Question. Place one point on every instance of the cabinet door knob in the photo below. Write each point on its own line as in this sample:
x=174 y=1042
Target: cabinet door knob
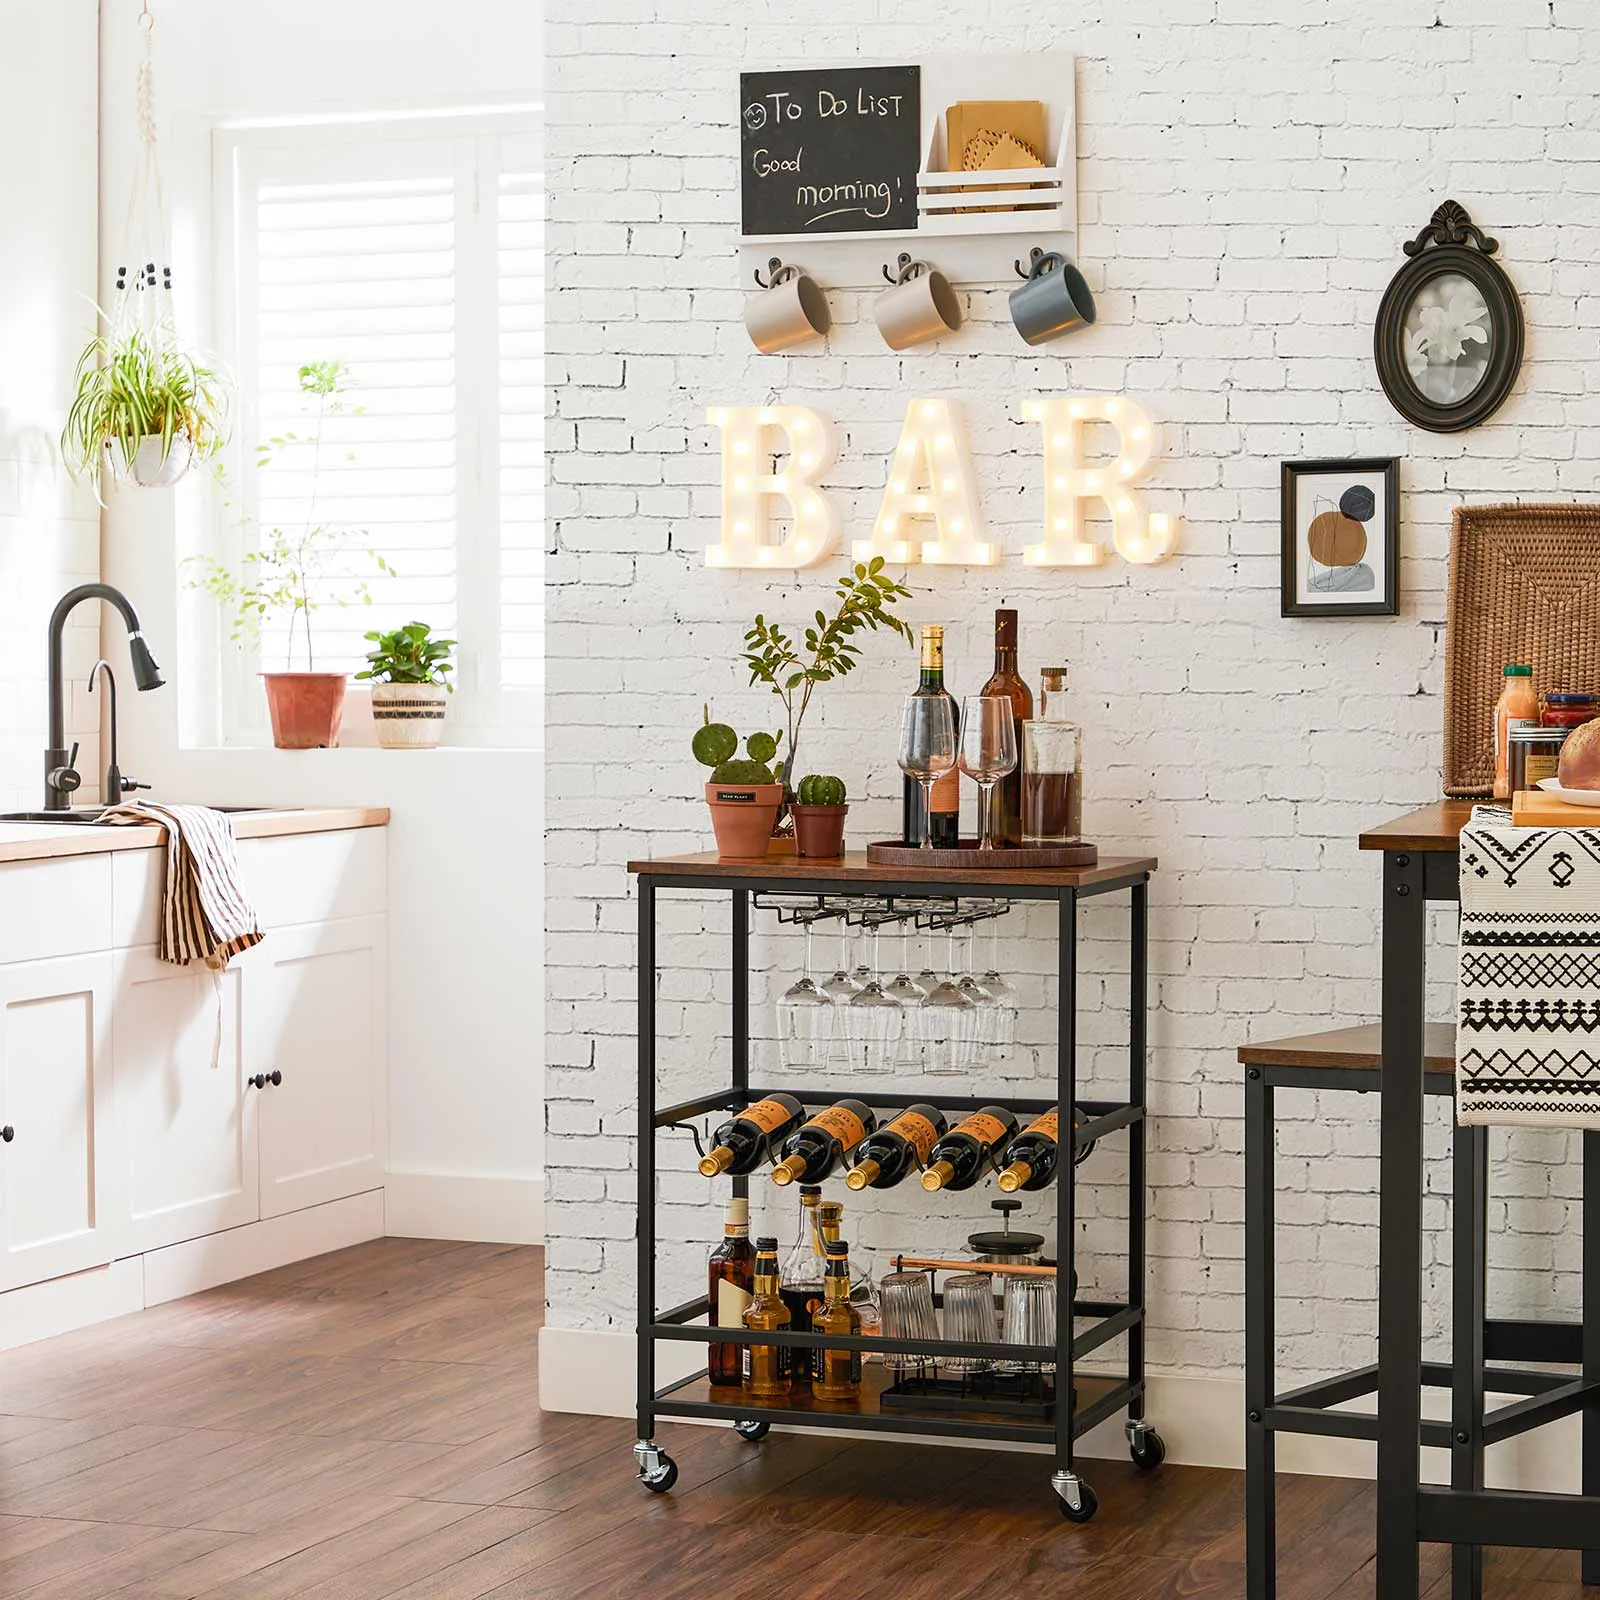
x=262 y=1079
x=8 y=1133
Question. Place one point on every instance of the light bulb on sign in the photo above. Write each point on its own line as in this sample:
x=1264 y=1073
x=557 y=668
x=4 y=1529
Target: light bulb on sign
x=748 y=497
x=945 y=494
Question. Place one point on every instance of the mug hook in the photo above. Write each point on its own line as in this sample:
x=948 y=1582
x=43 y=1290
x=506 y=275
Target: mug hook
x=777 y=272
x=905 y=269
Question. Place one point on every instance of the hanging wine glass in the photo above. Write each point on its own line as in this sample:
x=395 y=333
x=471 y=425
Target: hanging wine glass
x=949 y=1023
x=1003 y=1018
x=911 y=1055
x=805 y=1019
x=873 y=1021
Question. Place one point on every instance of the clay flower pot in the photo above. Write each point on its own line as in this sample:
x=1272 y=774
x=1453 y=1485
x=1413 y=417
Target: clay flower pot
x=818 y=830
x=306 y=708
x=408 y=716
x=742 y=817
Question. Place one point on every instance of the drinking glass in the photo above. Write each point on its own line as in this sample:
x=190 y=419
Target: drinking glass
x=1003 y=1018
x=988 y=751
x=968 y=1318
x=840 y=989
x=805 y=1020
x=872 y=1020
x=906 y=1302
x=912 y=1055
x=928 y=748
x=1028 y=1317
x=949 y=1024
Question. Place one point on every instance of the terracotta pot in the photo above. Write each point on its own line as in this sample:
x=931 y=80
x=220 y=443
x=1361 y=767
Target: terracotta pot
x=408 y=716
x=306 y=708
x=818 y=830
x=742 y=817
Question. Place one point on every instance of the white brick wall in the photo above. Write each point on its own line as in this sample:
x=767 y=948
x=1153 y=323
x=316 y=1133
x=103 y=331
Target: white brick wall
x=1246 y=177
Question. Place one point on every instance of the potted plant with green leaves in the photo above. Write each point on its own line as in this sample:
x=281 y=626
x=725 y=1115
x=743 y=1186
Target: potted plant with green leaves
x=743 y=794
x=407 y=669
x=143 y=410
x=819 y=810
x=293 y=571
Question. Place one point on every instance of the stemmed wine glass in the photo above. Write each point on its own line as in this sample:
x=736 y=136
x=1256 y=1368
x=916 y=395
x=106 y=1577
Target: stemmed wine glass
x=988 y=751
x=1003 y=1017
x=873 y=1020
x=928 y=748
x=841 y=989
x=805 y=1019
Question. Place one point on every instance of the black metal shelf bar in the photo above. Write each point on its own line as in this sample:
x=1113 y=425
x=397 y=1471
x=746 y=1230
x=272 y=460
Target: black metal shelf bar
x=682 y=1315
x=1516 y=1517
x=1124 y=1321
x=1107 y=1115
x=1556 y=1343
x=944 y=1427
x=991 y=1350
x=974 y=888
x=1538 y=1410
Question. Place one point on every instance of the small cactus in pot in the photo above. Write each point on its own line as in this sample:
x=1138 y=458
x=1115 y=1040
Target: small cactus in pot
x=743 y=794
x=819 y=811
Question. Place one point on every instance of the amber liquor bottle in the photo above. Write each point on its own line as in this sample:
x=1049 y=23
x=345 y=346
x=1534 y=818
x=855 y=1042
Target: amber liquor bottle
x=836 y=1374
x=813 y=1150
x=743 y=1142
x=946 y=803
x=730 y=1284
x=1006 y=684
x=897 y=1149
x=962 y=1156
x=766 y=1366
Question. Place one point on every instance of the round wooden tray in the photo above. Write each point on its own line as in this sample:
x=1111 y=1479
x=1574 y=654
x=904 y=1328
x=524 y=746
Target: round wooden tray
x=1013 y=858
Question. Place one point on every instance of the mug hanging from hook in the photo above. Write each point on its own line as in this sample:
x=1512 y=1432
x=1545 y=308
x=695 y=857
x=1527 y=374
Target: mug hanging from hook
x=906 y=268
x=778 y=271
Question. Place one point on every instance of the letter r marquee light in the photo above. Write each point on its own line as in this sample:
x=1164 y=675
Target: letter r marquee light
x=750 y=486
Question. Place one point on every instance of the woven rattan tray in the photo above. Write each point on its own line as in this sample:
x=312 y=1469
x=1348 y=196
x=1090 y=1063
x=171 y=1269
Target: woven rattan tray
x=1524 y=586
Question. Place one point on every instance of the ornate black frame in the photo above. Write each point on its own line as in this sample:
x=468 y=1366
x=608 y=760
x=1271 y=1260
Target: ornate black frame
x=1458 y=245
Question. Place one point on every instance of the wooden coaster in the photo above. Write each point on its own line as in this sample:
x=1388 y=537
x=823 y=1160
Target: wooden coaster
x=1019 y=858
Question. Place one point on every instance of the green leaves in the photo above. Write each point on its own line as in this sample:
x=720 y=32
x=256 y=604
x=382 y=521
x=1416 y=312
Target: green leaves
x=408 y=655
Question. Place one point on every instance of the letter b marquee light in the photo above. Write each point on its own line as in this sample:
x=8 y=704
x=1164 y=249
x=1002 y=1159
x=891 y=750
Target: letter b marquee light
x=750 y=487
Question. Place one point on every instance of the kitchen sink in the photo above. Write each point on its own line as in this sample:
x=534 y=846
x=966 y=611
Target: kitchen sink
x=92 y=814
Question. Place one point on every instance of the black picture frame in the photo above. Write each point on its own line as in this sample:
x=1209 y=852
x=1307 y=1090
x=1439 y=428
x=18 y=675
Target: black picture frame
x=1451 y=243
x=1346 y=477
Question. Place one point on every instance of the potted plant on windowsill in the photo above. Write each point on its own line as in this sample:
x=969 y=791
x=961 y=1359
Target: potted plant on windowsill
x=290 y=572
x=407 y=668
x=744 y=796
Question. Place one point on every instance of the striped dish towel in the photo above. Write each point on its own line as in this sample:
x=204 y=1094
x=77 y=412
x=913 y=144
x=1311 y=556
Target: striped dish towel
x=204 y=914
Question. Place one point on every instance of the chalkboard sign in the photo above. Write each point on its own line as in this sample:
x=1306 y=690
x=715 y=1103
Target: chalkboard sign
x=830 y=151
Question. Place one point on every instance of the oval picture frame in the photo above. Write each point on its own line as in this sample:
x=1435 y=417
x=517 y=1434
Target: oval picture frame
x=1450 y=246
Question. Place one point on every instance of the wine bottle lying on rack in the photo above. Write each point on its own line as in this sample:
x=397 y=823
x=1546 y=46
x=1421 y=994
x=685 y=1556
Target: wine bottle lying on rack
x=743 y=1142
x=962 y=1156
x=817 y=1147
x=1029 y=1160
x=897 y=1149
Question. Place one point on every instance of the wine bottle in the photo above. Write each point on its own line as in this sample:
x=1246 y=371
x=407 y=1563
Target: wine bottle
x=958 y=1160
x=946 y=809
x=742 y=1143
x=1006 y=684
x=836 y=1374
x=897 y=1149
x=1029 y=1160
x=766 y=1366
x=730 y=1284
x=815 y=1148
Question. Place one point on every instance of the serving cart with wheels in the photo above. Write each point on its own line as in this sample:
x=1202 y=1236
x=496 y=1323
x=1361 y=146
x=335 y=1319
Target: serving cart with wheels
x=1082 y=1326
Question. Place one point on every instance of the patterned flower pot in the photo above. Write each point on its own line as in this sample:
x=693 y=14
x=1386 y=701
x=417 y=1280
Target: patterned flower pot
x=742 y=817
x=818 y=830
x=306 y=708
x=409 y=716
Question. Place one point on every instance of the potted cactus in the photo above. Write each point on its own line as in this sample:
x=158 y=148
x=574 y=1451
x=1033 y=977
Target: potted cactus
x=743 y=795
x=819 y=811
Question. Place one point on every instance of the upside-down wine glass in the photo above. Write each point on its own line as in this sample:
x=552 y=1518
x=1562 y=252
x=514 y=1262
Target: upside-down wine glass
x=805 y=1019
x=927 y=748
x=988 y=752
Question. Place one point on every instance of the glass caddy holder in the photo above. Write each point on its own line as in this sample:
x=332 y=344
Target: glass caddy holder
x=1082 y=1325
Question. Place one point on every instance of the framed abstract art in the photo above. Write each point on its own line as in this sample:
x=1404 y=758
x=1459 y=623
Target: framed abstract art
x=1341 y=538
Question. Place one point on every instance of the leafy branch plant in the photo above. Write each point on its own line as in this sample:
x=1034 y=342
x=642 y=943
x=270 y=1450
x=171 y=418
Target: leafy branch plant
x=409 y=655
x=866 y=598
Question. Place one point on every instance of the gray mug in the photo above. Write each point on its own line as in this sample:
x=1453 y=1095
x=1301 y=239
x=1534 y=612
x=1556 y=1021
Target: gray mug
x=1053 y=301
x=790 y=311
x=920 y=307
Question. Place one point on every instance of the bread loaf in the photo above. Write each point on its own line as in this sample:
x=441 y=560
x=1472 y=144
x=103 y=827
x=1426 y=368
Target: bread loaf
x=1580 y=758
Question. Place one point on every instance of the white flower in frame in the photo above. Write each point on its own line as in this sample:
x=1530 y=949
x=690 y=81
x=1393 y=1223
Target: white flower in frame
x=1444 y=330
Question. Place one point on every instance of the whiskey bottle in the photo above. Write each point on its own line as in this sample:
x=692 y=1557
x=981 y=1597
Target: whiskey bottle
x=1006 y=684
x=815 y=1148
x=836 y=1374
x=766 y=1366
x=730 y=1283
x=743 y=1142
x=960 y=1158
x=897 y=1149
x=1029 y=1160
x=946 y=807
x=800 y=1280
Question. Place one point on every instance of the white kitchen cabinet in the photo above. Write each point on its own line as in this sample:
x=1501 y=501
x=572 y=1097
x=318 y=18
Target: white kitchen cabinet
x=61 y=1194
x=188 y=1122
x=314 y=1004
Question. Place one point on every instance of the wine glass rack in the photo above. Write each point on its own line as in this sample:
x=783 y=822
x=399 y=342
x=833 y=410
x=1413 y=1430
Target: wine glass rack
x=801 y=891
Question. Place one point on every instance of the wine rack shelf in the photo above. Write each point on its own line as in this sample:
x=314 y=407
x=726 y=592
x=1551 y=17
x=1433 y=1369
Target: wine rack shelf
x=852 y=888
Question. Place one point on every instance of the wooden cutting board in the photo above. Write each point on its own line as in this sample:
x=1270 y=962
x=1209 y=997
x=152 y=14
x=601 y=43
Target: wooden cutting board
x=1533 y=808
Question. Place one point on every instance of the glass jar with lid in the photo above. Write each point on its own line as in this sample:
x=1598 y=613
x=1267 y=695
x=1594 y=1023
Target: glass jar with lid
x=1569 y=708
x=1533 y=753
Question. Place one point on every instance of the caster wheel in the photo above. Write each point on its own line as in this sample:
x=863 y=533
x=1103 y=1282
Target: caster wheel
x=662 y=1478
x=1148 y=1450
x=1078 y=1504
x=752 y=1430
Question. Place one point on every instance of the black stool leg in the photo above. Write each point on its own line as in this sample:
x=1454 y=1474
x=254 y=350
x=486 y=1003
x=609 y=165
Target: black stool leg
x=1469 y=1271
x=1260 y=1452
x=1591 y=1331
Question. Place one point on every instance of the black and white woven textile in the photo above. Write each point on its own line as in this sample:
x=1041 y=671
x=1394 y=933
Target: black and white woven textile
x=1528 y=995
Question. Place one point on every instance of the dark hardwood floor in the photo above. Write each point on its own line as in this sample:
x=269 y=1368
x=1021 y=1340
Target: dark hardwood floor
x=367 y=1425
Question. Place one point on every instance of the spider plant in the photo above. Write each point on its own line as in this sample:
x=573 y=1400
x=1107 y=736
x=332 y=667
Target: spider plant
x=130 y=387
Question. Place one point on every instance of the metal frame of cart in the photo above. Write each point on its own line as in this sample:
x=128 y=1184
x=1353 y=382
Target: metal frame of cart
x=1097 y=1399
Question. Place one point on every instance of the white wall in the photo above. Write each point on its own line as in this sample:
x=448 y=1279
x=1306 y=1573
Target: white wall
x=49 y=528
x=1247 y=175
x=465 y=1097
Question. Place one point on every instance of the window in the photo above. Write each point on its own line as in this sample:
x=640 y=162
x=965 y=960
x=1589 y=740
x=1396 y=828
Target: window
x=409 y=252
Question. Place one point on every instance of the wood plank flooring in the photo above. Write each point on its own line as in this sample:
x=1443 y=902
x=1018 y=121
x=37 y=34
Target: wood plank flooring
x=366 y=1426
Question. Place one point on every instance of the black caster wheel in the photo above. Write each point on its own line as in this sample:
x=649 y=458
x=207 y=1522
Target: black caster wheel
x=1148 y=1450
x=1078 y=1501
x=752 y=1430
x=661 y=1478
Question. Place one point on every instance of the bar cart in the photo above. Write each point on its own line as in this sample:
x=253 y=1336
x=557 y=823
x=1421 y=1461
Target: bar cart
x=1084 y=1400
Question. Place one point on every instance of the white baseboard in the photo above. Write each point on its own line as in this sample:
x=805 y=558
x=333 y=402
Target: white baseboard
x=1201 y=1420
x=62 y=1305
x=442 y=1205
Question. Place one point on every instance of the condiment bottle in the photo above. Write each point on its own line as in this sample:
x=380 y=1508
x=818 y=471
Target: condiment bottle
x=1517 y=707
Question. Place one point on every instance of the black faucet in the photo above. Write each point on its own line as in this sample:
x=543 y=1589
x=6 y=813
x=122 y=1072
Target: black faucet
x=116 y=785
x=60 y=776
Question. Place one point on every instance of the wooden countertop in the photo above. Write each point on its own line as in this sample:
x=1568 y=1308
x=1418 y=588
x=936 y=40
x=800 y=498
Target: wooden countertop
x=853 y=867
x=1359 y=1047
x=1435 y=827
x=40 y=841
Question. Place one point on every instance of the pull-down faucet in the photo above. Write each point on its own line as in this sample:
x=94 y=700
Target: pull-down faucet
x=60 y=776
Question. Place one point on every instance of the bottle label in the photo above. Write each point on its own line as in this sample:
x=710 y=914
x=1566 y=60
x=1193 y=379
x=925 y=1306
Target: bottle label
x=917 y=1131
x=844 y=1125
x=984 y=1128
x=1049 y=1124
x=766 y=1114
x=947 y=791
x=731 y=1301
